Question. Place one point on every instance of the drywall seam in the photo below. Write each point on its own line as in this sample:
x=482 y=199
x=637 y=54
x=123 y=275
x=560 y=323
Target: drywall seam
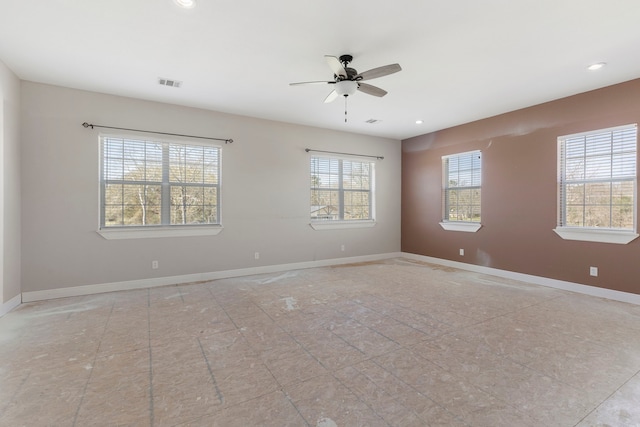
x=536 y=280
x=198 y=277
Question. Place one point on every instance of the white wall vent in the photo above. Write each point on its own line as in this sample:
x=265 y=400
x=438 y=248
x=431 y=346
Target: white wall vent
x=169 y=82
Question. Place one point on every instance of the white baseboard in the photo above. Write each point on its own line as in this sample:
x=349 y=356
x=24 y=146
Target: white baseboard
x=537 y=280
x=187 y=278
x=197 y=277
x=10 y=305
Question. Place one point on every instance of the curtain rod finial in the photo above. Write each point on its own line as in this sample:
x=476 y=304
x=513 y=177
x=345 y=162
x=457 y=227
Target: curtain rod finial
x=86 y=125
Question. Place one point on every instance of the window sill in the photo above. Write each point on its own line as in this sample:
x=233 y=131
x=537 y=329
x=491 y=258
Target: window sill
x=338 y=225
x=596 y=235
x=468 y=227
x=153 y=232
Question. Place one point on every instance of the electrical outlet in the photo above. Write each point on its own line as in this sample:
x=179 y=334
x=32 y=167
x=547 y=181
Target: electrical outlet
x=154 y=264
x=593 y=271
x=461 y=252
x=342 y=248
x=256 y=255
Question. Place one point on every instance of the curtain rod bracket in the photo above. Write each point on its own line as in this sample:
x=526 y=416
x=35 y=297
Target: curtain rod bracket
x=92 y=126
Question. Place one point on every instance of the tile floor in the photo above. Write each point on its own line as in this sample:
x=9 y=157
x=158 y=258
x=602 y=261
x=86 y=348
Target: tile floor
x=393 y=343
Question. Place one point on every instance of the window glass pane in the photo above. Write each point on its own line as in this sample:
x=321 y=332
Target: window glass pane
x=598 y=167
x=154 y=171
x=574 y=168
x=153 y=208
x=134 y=204
x=192 y=204
x=210 y=214
x=356 y=176
x=451 y=197
x=575 y=193
x=622 y=216
x=324 y=204
x=340 y=189
x=356 y=205
x=597 y=216
x=128 y=164
x=210 y=196
x=324 y=197
x=113 y=215
x=210 y=173
x=598 y=173
x=575 y=215
x=462 y=194
x=623 y=165
x=597 y=193
x=474 y=213
x=326 y=180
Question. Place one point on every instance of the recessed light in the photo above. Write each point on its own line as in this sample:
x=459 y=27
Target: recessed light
x=596 y=66
x=419 y=122
x=187 y=4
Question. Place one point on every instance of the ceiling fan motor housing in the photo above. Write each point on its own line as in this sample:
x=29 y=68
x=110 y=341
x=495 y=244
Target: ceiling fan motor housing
x=351 y=72
x=345 y=59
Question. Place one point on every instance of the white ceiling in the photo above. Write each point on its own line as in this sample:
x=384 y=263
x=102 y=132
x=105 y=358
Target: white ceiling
x=462 y=60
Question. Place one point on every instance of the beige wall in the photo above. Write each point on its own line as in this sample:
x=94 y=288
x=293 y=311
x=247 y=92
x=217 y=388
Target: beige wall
x=519 y=192
x=265 y=193
x=9 y=184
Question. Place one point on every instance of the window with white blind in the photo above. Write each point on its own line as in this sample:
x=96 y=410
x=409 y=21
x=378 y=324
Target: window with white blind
x=597 y=185
x=156 y=184
x=461 y=191
x=341 y=190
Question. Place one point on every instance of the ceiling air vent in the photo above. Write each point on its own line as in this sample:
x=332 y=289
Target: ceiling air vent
x=169 y=82
x=372 y=121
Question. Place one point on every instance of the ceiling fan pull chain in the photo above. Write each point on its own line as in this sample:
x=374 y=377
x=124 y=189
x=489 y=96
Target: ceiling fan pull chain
x=345 y=109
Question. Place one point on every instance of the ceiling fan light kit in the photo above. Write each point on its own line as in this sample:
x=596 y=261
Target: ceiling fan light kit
x=346 y=87
x=347 y=80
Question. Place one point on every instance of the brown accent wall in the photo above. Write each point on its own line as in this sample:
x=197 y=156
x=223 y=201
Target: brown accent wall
x=519 y=192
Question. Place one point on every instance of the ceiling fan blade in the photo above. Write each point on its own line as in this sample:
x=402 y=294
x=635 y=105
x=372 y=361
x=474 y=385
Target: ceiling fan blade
x=371 y=90
x=374 y=73
x=310 y=83
x=336 y=66
x=331 y=97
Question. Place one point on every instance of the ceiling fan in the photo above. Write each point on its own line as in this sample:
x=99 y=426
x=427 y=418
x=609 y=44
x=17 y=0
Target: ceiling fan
x=347 y=80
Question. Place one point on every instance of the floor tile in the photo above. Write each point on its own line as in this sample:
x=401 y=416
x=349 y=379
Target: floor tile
x=621 y=409
x=389 y=343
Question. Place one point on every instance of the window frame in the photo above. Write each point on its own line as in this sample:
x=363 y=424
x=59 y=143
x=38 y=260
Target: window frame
x=594 y=233
x=341 y=222
x=164 y=228
x=460 y=225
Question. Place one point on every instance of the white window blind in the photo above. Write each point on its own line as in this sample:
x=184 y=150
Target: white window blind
x=597 y=179
x=154 y=183
x=462 y=185
x=341 y=189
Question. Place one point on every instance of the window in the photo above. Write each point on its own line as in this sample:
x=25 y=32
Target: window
x=597 y=182
x=462 y=176
x=341 y=190
x=147 y=183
